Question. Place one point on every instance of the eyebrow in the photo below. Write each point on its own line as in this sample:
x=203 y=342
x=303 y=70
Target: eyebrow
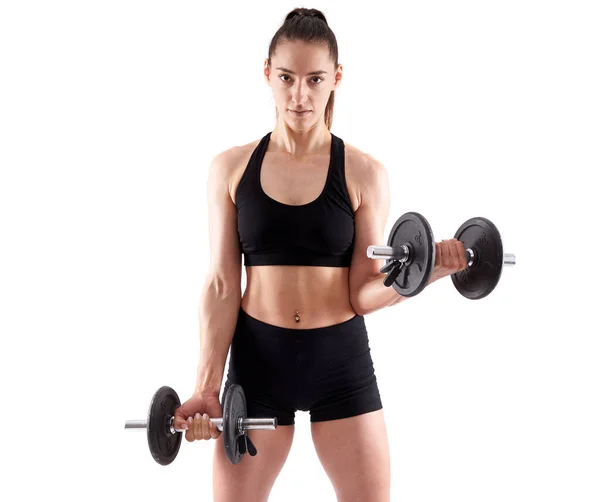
x=320 y=72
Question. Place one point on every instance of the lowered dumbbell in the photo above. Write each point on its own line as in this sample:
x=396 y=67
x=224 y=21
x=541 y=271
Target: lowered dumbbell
x=164 y=440
x=410 y=256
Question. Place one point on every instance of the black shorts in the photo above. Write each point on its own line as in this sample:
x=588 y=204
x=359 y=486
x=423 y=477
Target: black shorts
x=327 y=371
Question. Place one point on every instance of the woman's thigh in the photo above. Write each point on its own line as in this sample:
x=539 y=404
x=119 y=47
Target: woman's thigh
x=253 y=478
x=355 y=455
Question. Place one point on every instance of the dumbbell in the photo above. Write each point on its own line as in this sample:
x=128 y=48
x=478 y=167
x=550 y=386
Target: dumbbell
x=410 y=256
x=164 y=440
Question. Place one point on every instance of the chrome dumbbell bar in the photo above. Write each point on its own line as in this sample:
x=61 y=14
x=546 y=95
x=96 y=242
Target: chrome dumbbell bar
x=244 y=424
x=402 y=254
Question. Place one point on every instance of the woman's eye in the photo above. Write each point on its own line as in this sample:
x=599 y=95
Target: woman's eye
x=287 y=76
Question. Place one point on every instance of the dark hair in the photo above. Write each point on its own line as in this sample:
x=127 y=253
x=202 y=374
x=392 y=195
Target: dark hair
x=308 y=25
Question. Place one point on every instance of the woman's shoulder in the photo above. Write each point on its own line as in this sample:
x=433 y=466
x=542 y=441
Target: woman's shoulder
x=363 y=171
x=230 y=159
x=231 y=164
x=361 y=161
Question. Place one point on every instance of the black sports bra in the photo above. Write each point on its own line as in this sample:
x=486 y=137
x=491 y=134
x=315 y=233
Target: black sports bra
x=320 y=233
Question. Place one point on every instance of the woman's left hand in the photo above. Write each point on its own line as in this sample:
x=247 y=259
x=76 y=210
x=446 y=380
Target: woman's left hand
x=449 y=259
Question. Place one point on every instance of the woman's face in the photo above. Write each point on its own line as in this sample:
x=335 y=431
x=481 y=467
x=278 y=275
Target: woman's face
x=302 y=76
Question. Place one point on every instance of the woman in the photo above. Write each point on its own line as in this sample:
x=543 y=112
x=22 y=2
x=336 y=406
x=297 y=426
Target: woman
x=302 y=207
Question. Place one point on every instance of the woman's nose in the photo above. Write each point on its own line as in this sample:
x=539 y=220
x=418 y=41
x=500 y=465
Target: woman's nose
x=300 y=93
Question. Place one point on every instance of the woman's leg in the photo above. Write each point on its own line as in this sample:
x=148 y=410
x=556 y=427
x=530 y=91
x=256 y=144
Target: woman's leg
x=262 y=364
x=355 y=455
x=347 y=424
x=253 y=478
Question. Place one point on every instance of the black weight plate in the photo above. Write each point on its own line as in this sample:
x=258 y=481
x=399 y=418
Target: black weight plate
x=413 y=229
x=234 y=408
x=164 y=446
x=480 y=279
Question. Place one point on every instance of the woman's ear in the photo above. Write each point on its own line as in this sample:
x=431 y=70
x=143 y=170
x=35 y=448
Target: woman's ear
x=338 y=76
x=267 y=72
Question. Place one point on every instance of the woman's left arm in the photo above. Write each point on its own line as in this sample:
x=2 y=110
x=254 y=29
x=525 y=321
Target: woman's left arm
x=367 y=291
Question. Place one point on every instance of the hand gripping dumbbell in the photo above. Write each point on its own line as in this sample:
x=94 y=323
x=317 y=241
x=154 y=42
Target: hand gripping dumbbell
x=410 y=256
x=164 y=440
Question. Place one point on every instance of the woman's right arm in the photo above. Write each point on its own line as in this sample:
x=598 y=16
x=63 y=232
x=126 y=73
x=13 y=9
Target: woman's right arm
x=222 y=291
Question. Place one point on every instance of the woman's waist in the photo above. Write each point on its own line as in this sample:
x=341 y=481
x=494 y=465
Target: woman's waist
x=298 y=299
x=297 y=312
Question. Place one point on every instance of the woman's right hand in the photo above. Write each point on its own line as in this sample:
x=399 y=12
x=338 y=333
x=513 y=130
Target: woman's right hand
x=194 y=414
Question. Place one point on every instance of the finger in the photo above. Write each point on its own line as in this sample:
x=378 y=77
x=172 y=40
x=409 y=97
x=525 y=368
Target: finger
x=453 y=257
x=189 y=434
x=197 y=426
x=447 y=257
x=214 y=432
x=205 y=427
x=462 y=255
x=443 y=255
x=181 y=424
x=438 y=255
x=179 y=421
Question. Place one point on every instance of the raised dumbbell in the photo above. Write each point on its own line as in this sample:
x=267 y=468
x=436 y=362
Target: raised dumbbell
x=164 y=440
x=410 y=256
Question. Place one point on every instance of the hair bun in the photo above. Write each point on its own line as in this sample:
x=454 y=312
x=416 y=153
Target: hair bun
x=306 y=12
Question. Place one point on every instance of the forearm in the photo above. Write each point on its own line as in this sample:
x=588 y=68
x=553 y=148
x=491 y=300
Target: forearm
x=374 y=295
x=218 y=313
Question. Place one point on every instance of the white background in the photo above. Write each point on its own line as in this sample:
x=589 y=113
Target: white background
x=110 y=113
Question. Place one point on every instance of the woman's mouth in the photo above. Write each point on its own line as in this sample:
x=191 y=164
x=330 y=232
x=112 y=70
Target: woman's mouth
x=300 y=114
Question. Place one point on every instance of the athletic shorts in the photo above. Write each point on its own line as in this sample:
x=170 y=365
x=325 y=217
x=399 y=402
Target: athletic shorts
x=326 y=371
